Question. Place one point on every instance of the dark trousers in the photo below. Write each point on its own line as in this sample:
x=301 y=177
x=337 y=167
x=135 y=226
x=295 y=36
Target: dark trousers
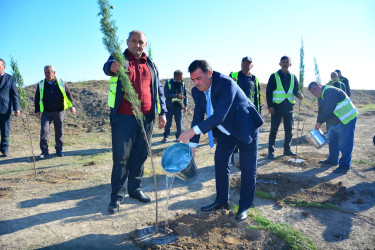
x=275 y=123
x=178 y=113
x=58 y=122
x=129 y=149
x=248 y=161
x=4 y=128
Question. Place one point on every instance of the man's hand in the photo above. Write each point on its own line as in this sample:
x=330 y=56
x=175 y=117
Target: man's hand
x=180 y=96
x=73 y=110
x=162 y=121
x=271 y=111
x=193 y=151
x=234 y=79
x=185 y=109
x=300 y=96
x=318 y=126
x=187 y=135
x=38 y=115
x=115 y=66
x=17 y=112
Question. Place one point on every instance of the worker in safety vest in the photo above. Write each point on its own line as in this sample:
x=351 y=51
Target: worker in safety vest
x=129 y=146
x=52 y=98
x=176 y=101
x=335 y=82
x=281 y=88
x=248 y=82
x=336 y=108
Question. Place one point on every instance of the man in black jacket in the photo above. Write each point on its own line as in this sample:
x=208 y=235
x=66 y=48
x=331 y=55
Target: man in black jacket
x=8 y=102
x=345 y=81
x=52 y=97
x=176 y=101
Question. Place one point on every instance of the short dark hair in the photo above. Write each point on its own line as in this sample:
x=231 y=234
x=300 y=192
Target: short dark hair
x=338 y=71
x=177 y=73
x=202 y=64
x=2 y=62
x=285 y=57
x=312 y=84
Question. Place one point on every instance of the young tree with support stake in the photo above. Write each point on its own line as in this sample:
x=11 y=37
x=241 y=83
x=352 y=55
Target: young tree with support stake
x=22 y=97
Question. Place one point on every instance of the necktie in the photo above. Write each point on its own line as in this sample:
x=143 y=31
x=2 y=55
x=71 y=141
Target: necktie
x=209 y=113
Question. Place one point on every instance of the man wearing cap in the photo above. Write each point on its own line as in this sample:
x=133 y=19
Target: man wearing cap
x=176 y=101
x=247 y=82
x=345 y=81
x=336 y=108
x=335 y=82
x=281 y=88
x=8 y=103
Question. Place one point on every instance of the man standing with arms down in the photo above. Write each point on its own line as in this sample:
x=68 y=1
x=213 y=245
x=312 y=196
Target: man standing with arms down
x=336 y=108
x=345 y=81
x=335 y=82
x=8 y=103
x=176 y=101
x=129 y=146
x=52 y=97
x=247 y=82
x=234 y=121
x=281 y=88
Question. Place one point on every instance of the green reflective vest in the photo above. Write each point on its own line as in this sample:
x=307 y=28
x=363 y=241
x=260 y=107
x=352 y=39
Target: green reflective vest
x=61 y=84
x=251 y=97
x=345 y=110
x=279 y=94
x=113 y=87
x=170 y=87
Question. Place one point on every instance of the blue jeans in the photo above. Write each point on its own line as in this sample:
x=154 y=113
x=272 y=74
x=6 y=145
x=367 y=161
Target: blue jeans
x=129 y=149
x=341 y=139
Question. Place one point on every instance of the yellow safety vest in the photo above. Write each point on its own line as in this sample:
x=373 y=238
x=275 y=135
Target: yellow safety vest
x=251 y=97
x=279 y=94
x=170 y=87
x=61 y=84
x=345 y=110
x=113 y=87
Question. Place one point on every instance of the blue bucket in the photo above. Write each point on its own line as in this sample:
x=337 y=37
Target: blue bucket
x=178 y=159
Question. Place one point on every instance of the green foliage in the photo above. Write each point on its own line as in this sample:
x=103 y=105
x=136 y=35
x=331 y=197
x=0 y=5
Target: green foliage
x=149 y=52
x=22 y=94
x=110 y=40
x=293 y=237
x=317 y=74
x=264 y=195
x=301 y=68
x=293 y=203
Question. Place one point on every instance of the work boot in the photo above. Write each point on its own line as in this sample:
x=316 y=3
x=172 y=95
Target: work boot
x=165 y=139
x=289 y=153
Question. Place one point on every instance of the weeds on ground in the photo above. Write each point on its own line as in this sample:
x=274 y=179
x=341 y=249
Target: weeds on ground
x=294 y=238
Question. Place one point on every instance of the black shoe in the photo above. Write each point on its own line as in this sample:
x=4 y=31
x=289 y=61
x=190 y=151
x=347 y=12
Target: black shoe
x=43 y=155
x=165 y=139
x=271 y=156
x=113 y=207
x=241 y=216
x=5 y=154
x=327 y=162
x=59 y=153
x=139 y=195
x=289 y=153
x=215 y=206
x=340 y=170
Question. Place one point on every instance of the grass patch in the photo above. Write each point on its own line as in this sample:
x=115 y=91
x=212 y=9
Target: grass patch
x=264 y=195
x=368 y=107
x=294 y=238
x=363 y=162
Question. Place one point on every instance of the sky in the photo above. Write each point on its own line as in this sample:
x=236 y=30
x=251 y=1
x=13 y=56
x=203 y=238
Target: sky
x=66 y=34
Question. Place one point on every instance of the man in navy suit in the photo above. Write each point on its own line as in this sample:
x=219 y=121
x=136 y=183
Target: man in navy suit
x=8 y=103
x=234 y=121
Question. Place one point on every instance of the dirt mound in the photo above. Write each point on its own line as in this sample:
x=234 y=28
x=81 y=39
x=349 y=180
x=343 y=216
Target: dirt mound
x=216 y=230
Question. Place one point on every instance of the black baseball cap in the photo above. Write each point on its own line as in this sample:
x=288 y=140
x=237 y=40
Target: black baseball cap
x=247 y=58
